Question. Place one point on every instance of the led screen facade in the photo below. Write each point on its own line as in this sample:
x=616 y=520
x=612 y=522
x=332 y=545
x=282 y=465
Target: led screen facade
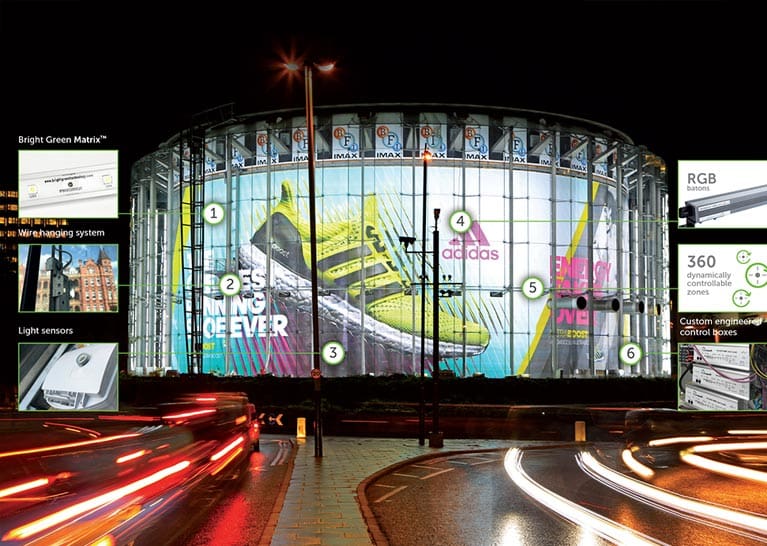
x=518 y=204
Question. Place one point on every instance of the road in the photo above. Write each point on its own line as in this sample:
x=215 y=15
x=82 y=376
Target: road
x=489 y=499
x=656 y=476
x=241 y=514
x=460 y=500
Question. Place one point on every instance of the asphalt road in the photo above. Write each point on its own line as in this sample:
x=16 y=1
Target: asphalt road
x=240 y=514
x=470 y=499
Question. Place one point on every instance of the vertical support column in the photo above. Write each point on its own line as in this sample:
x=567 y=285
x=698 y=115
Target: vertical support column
x=151 y=280
x=656 y=350
x=414 y=292
x=422 y=409
x=618 y=226
x=228 y=149
x=637 y=294
x=132 y=278
x=642 y=266
x=463 y=261
x=553 y=256
x=363 y=291
x=269 y=364
x=664 y=280
x=171 y=216
x=142 y=313
x=436 y=438
x=509 y=293
x=590 y=240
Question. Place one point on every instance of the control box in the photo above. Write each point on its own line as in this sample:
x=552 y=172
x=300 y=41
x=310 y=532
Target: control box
x=729 y=382
x=703 y=399
x=733 y=356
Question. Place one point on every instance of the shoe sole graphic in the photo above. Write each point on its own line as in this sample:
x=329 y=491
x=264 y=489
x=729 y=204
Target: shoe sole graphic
x=361 y=285
x=296 y=290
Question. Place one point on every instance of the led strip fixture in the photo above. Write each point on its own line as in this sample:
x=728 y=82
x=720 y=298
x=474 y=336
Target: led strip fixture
x=68 y=185
x=716 y=206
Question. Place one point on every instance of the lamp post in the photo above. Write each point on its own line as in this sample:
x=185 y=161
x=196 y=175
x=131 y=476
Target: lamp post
x=435 y=438
x=316 y=370
x=422 y=404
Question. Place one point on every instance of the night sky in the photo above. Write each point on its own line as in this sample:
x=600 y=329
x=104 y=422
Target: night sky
x=682 y=78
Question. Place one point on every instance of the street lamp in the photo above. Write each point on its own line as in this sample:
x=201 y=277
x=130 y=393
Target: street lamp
x=316 y=371
x=422 y=404
x=406 y=241
x=435 y=438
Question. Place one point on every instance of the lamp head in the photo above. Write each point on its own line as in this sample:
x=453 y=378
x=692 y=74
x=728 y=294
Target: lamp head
x=325 y=66
x=406 y=241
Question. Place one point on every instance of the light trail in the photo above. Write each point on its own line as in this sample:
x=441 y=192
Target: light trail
x=587 y=519
x=56 y=518
x=713 y=512
x=689 y=457
x=61 y=447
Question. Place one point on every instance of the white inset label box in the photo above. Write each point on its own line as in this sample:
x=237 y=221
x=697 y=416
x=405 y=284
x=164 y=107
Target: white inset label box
x=68 y=184
x=722 y=278
x=723 y=194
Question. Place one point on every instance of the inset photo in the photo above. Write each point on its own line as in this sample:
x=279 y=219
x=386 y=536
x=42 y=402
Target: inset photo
x=68 y=184
x=722 y=194
x=68 y=278
x=722 y=376
x=68 y=377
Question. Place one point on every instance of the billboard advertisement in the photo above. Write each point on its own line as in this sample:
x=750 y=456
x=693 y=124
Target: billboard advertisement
x=370 y=294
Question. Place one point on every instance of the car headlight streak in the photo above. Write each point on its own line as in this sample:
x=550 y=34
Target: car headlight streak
x=689 y=456
x=56 y=518
x=673 y=501
x=599 y=525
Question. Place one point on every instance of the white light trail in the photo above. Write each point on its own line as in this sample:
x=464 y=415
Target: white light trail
x=719 y=514
x=587 y=519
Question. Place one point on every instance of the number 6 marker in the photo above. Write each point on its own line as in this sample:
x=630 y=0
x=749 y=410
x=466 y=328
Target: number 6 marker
x=631 y=354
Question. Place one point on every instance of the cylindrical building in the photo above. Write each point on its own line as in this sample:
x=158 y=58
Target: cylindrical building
x=547 y=236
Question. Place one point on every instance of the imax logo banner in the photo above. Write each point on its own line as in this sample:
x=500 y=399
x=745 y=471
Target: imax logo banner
x=345 y=143
x=472 y=245
x=476 y=139
x=388 y=141
x=264 y=148
x=300 y=138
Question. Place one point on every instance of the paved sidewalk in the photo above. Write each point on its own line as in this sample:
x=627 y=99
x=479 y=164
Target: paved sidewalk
x=320 y=504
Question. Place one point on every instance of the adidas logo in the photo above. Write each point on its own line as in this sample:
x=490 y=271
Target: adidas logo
x=472 y=245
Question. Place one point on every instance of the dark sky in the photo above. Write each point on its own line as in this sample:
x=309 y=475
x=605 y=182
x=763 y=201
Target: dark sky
x=682 y=77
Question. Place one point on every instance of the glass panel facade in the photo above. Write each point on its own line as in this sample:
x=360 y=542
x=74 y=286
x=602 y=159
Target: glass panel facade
x=554 y=206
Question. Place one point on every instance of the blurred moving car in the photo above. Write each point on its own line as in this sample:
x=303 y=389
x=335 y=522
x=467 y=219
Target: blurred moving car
x=115 y=478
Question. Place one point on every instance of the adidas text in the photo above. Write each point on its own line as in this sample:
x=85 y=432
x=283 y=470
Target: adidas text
x=473 y=253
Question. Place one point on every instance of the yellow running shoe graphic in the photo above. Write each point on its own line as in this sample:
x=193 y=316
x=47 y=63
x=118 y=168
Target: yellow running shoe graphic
x=355 y=272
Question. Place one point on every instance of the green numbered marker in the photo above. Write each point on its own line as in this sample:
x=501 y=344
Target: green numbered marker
x=333 y=353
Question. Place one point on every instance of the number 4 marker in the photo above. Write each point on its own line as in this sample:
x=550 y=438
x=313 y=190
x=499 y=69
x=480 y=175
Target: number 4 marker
x=460 y=221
